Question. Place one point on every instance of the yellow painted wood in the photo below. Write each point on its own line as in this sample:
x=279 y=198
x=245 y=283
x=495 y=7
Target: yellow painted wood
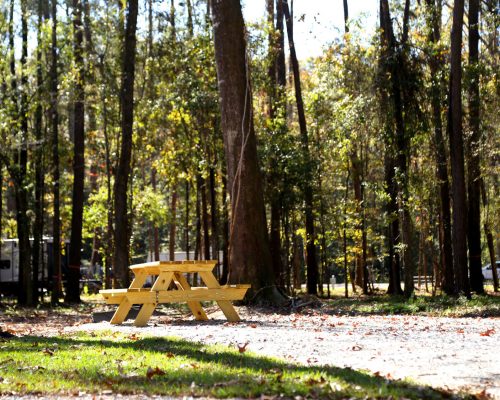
x=139 y=280
x=219 y=295
x=147 y=309
x=225 y=305
x=195 y=306
x=163 y=281
x=154 y=268
x=122 y=311
x=144 y=314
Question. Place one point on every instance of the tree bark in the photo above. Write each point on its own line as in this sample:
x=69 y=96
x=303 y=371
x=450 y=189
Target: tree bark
x=121 y=233
x=436 y=66
x=25 y=296
x=473 y=154
x=311 y=262
x=394 y=64
x=73 y=277
x=54 y=122
x=38 y=155
x=459 y=227
x=173 y=225
x=249 y=255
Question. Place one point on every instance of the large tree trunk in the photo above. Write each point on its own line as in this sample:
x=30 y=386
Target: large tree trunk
x=459 y=228
x=311 y=262
x=54 y=122
x=121 y=234
x=249 y=255
x=436 y=66
x=73 y=277
x=473 y=155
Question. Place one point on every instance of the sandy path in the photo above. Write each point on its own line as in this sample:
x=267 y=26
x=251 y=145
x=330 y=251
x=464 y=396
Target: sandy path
x=452 y=353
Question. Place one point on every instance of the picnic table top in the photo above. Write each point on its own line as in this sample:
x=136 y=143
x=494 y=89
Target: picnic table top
x=155 y=267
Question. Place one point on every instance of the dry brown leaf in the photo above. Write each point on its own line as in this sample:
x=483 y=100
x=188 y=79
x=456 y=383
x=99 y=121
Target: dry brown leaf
x=242 y=348
x=154 y=371
x=48 y=351
x=487 y=332
x=170 y=355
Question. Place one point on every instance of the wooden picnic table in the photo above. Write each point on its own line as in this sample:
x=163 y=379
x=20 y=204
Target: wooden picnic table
x=165 y=273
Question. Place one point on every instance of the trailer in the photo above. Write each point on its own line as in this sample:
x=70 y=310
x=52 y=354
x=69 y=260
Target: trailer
x=9 y=264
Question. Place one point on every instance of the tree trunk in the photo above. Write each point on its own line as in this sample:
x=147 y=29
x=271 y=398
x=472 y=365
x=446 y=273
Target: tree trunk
x=39 y=173
x=121 y=234
x=186 y=221
x=273 y=106
x=473 y=154
x=25 y=296
x=436 y=66
x=311 y=262
x=249 y=255
x=173 y=226
x=489 y=238
x=459 y=227
x=54 y=122
x=73 y=277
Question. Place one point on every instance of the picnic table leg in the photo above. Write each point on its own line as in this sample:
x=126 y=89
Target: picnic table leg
x=147 y=309
x=194 y=306
x=125 y=305
x=225 y=305
x=121 y=312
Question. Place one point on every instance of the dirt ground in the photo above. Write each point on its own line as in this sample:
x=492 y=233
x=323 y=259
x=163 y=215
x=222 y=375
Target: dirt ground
x=450 y=353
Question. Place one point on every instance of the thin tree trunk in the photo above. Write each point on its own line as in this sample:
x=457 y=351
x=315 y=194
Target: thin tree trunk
x=121 y=234
x=473 y=154
x=204 y=218
x=39 y=173
x=173 y=225
x=459 y=227
x=312 y=264
x=186 y=221
x=54 y=120
x=436 y=66
x=156 y=234
x=272 y=178
x=213 y=216
x=489 y=239
x=25 y=296
x=73 y=277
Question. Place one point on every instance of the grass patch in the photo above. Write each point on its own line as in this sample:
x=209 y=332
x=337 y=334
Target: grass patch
x=437 y=306
x=108 y=362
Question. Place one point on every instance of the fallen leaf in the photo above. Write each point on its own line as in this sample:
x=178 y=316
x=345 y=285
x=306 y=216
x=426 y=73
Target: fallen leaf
x=488 y=332
x=170 y=355
x=154 y=371
x=242 y=348
x=356 y=348
x=48 y=351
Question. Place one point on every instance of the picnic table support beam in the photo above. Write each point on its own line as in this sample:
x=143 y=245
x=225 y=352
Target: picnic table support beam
x=225 y=305
x=195 y=306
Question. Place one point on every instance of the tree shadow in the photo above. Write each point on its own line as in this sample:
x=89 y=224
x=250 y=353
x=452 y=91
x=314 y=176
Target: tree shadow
x=229 y=373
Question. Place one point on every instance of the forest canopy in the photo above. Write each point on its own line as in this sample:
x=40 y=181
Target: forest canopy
x=134 y=131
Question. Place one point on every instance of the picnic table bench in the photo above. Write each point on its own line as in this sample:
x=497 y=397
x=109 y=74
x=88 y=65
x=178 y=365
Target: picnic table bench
x=166 y=273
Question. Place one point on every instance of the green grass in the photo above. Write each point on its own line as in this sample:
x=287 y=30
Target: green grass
x=109 y=362
x=436 y=306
